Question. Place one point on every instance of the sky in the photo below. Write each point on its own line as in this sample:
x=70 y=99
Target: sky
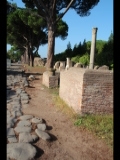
x=80 y=28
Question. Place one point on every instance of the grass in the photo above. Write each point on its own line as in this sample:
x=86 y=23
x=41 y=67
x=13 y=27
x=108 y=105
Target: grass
x=60 y=104
x=100 y=125
x=39 y=69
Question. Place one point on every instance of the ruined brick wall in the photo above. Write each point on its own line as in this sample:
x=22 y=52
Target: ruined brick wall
x=87 y=91
x=50 y=81
x=71 y=82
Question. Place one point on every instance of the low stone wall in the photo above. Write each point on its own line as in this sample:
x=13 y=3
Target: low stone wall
x=50 y=81
x=87 y=91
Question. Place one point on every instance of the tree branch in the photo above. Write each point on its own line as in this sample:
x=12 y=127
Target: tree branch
x=25 y=38
x=40 y=11
x=44 y=7
x=54 y=3
x=69 y=5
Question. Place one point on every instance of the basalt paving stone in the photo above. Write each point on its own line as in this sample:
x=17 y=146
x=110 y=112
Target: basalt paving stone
x=37 y=120
x=21 y=151
x=24 y=101
x=24 y=98
x=15 y=103
x=10 y=132
x=16 y=109
x=21 y=129
x=10 y=100
x=27 y=137
x=10 y=125
x=16 y=113
x=24 y=123
x=25 y=117
x=18 y=91
x=16 y=106
x=8 y=112
x=16 y=98
x=23 y=94
x=41 y=127
x=12 y=139
x=12 y=119
x=9 y=116
x=42 y=134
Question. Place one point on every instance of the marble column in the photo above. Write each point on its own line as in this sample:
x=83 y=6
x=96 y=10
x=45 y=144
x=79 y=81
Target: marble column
x=68 y=63
x=93 y=46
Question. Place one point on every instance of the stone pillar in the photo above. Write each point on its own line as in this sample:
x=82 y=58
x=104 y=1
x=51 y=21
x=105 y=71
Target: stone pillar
x=62 y=65
x=68 y=63
x=93 y=46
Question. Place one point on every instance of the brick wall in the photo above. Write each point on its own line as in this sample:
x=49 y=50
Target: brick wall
x=50 y=81
x=87 y=91
x=71 y=82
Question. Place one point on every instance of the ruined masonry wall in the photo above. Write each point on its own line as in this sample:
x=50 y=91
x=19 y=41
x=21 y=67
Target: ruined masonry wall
x=71 y=82
x=87 y=91
x=50 y=81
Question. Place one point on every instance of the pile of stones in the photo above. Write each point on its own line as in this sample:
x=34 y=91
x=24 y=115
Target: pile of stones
x=22 y=130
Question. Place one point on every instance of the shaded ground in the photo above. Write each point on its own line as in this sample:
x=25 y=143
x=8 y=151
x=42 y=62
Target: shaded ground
x=68 y=142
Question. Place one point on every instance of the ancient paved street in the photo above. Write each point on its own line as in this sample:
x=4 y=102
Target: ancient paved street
x=21 y=130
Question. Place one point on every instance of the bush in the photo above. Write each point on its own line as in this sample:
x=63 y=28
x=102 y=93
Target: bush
x=84 y=59
x=75 y=59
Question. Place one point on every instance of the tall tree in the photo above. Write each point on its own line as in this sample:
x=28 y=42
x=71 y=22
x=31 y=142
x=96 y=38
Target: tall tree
x=30 y=32
x=50 y=11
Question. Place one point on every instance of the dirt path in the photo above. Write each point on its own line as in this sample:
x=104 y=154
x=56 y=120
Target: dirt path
x=68 y=142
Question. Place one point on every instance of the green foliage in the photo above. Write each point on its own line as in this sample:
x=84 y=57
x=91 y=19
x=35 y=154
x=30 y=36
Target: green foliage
x=75 y=59
x=14 y=54
x=81 y=53
x=82 y=9
x=105 y=57
x=112 y=66
x=61 y=30
x=101 y=125
x=84 y=59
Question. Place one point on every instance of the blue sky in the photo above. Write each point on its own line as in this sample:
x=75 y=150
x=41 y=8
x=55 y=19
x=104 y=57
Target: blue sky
x=80 y=28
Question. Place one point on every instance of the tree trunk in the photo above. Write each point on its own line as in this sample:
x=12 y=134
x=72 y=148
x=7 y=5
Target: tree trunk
x=32 y=60
x=24 y=57
x=27 y=55
x=51 y=44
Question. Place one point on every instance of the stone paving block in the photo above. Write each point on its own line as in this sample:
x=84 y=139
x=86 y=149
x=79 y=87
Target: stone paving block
x=42 y=134
x=9 y=106
x=25 y=117
x=41 y=127
x=21 y=129
x=12 y=139
x=21 y=151
x=16 y=113
x=24 y=123
x=27 y=138
x=10 y=132
x=37 y=120
x=24 y=101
